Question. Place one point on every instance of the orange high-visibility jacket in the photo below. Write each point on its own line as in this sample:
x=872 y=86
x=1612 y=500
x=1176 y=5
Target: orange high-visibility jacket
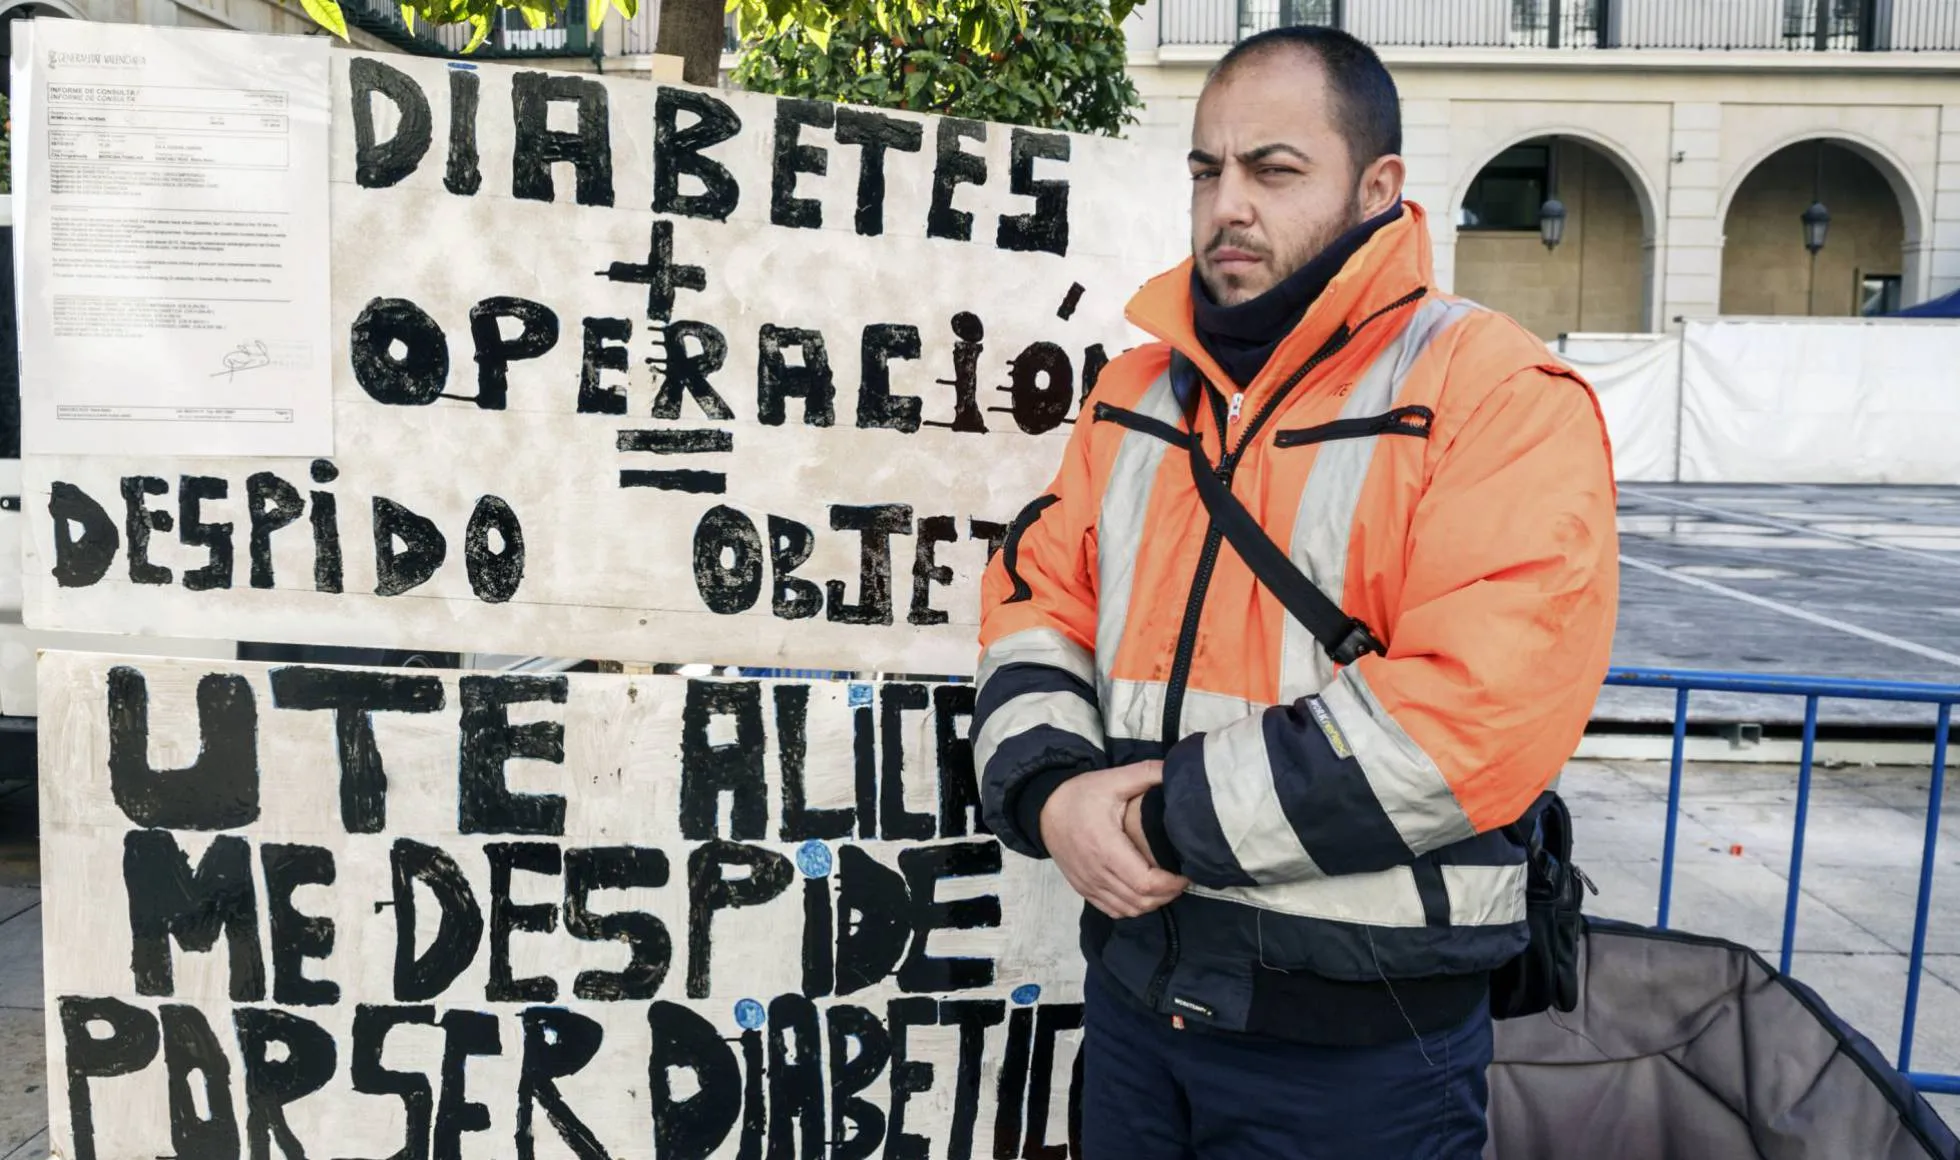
x=1431 y=467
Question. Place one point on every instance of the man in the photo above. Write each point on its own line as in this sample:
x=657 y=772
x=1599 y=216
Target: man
x=1299 y=874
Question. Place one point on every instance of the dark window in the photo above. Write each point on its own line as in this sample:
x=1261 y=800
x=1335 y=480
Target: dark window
x=1507 y=193
x=1323 y=12
x=1879 y=294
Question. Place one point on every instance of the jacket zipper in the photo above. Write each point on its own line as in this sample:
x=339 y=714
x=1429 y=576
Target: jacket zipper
x=1187 y=636
x=1400 y=421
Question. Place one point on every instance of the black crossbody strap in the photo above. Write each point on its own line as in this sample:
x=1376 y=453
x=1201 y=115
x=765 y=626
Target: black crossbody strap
x=1346 y=639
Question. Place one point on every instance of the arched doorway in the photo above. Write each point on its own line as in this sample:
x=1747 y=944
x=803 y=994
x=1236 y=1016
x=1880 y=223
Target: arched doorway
x=1861 y=266
x=1596 y=277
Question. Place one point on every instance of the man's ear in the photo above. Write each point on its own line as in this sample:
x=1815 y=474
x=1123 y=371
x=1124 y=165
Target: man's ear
x=1381 y=185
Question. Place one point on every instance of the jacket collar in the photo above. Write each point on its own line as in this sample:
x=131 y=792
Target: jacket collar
x=1393 y=263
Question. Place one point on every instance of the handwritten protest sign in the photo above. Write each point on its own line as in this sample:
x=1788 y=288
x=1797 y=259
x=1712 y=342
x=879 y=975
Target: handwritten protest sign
x=646 y=372
x=345 y=912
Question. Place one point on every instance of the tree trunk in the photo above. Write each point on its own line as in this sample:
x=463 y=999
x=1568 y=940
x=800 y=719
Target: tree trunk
x=695 y=31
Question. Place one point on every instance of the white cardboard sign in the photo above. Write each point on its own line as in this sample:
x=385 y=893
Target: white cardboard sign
x=641 y=371
x=339 y=912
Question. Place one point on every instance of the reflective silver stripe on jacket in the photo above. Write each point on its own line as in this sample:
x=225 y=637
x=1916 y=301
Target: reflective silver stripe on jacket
x=1325 y=523
x=1479 y=896
x=1119 y=525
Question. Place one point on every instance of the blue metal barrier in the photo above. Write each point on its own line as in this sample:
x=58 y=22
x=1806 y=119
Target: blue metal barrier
x=1813 y=690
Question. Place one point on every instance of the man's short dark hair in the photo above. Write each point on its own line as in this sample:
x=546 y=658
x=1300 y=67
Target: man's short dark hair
x=1368 y=112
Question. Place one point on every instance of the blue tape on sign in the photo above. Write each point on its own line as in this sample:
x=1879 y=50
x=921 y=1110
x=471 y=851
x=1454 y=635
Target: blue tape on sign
x=749 y=1014
x=813 y=858
x=860 y=696
x=1027 y=993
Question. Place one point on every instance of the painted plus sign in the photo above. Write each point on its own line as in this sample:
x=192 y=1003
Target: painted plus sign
x=659 y=273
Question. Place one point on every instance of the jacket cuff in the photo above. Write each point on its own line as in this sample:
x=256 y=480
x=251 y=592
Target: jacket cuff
x=1156 y=834
x=1029 y=802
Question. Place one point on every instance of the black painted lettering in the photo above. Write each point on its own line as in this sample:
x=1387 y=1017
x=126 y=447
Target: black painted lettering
x=953 y=168
x=1046 y=229
x=796 y=1095
x=967 y=417
x=909 y=1077
x=1050 y=1021
x=755 y=1114
x=899 y=824
x=557 y=1043
x=458 y=934
x=692 y=1128
x=297 y=937
x=778 y=381
x=800 y=822
x=308 y=1059
x=677 y=152
x=507 y=917
x=877 y=406
x=537 y=147
x=924 y=867
x=129 y=1047
x=139 y=520
x=688 y=370
x=326 y=531
x=792 y=157
x=190 y=1048
x=851 y=1072
x=874 y=134
x=1010 y=1093
x=167 y=900
x=994 y=533
x=415 y=375
x=423 y=546
x=379 y=164
x=972 y=1017
x=215 y=539
x=1094 y=359
x=660 y=274
x=497 y=571
x=927 y=570
x=864 y=759
x=490 y=741
x=464 y=176
x=709 y=889
x=605 y=350
x=465 y=1033
x=617 y=868
x=874 y=919
x=790 y=546
x=270 y=504
x=537 y=333
x=1041 y=388
x=217 y=791
x=709 y=770
x=354 y=696
x=877 y=524
x=85 y=538
x=959 y=789
x=819 y=928
x=371 y=1027
x=727 y=561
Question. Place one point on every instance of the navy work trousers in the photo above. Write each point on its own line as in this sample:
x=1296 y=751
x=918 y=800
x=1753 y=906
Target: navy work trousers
x=1153 y=1092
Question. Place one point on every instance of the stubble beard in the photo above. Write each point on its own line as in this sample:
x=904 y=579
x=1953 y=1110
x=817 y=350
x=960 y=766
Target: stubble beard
x=1232 y=290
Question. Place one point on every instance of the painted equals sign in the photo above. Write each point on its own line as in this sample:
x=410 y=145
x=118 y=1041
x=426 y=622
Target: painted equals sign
x=666 y=442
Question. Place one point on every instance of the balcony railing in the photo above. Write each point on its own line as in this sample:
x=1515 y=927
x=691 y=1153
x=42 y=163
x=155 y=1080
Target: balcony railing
x=511 y=36
x=1780 y=25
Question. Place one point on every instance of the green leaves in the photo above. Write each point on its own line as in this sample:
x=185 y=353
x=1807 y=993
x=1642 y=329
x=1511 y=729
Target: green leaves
x=327 y=14
x=1055 y=64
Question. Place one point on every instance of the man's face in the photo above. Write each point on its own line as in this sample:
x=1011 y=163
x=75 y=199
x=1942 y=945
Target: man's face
x=1271 y=181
